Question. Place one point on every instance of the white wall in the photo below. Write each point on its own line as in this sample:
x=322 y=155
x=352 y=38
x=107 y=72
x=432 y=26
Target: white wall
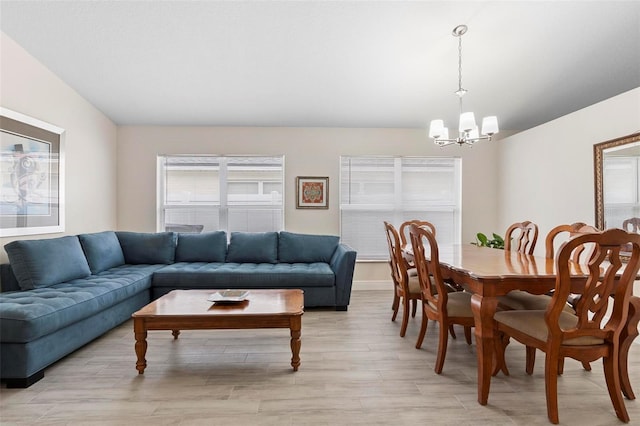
x=308 y=152
x=30 y=88
x=546 y=173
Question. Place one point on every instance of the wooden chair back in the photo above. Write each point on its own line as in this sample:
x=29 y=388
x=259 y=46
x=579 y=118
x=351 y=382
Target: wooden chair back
x=426 y=259
x=580 y=255
x=603 y=280
x=396 y=260
x=632 y=225
x=521 y=237
x=404 y=230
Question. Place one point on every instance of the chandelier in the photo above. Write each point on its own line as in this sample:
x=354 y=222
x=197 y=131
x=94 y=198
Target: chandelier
x=467 y=128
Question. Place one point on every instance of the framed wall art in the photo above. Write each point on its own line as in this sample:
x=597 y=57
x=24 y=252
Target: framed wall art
x=312 y=192
x=31 y=175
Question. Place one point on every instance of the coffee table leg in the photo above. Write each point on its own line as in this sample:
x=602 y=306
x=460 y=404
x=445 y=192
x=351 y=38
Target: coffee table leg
x=140 y=334
x=296 y=331
x=175 y=333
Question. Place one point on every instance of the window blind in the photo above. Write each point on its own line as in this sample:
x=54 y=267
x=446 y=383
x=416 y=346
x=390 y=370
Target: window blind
x=397 y=189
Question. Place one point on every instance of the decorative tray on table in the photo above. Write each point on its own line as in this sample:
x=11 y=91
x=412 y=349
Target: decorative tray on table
x=229 y=296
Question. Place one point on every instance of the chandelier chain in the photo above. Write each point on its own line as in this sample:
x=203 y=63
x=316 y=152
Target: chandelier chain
x=460 y=91
x=460 y=64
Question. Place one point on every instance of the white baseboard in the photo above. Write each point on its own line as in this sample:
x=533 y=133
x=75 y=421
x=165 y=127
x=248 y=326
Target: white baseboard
x=372 y=285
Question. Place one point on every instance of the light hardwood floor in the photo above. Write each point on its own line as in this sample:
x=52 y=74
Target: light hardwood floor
x=355 y=369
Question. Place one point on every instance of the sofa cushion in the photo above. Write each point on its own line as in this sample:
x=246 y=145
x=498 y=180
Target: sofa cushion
x=253 y=247
x=305 y=248
x=41 y=263
x=206 y=247
x=102 y=250
x=27 y=315
x=147 y=248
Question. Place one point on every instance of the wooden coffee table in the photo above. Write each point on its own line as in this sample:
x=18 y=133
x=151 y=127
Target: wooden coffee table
x=190 y=310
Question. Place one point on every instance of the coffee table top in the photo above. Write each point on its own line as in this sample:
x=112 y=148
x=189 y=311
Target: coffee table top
x=195 y=303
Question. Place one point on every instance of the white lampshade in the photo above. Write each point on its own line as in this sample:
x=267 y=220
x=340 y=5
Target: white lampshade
x=445 y=133
x=467 y=122
x=435 y=128
x=473 y=134
x=490 y=125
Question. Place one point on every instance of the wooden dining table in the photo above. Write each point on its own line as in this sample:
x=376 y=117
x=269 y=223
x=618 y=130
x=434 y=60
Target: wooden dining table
x=489 y=273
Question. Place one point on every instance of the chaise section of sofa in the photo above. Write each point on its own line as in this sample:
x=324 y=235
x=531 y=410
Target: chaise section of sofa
x=59 y=294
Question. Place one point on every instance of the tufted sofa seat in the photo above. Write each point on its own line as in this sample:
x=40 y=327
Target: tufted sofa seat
x=59 y=294
x=247 y=275
x=29 y=315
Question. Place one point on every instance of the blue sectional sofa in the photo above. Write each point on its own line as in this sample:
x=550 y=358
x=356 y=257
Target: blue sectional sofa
x=59 y=294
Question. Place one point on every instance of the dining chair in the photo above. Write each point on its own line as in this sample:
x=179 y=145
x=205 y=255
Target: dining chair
x=520 y=299
x=522 y=235
x=588 y=334
x=437 y=303
x=406 y=287
x=405 y=242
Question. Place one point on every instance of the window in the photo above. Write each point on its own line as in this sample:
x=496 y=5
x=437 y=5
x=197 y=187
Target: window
x=209 y=193
x=622 y=198
x=397 y=189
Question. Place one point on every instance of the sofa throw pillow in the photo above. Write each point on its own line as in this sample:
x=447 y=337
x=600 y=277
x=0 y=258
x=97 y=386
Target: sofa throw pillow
x=43 y=263
x=205 y=247
x=147 y=248
x=253 y=247
x=306 y=248
x=102 y=250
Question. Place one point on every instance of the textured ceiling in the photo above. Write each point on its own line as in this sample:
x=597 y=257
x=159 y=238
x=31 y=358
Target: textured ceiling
x=332 y=64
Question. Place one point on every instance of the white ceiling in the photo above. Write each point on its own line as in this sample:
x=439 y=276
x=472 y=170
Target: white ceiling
x=332 y=64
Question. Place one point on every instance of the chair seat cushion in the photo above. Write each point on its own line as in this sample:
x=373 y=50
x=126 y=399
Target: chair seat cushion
x=458 y=304
x=522 y=300
x=414 y=284
x=533 y=324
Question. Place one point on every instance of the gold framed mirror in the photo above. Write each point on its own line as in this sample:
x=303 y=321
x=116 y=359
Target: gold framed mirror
x=617 y=183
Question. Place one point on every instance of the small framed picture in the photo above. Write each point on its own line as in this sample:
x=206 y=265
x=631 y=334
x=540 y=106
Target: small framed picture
x=313 y=192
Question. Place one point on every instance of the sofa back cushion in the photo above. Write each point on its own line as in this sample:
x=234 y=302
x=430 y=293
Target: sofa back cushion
x=147 y=248
x=306 y=248
x=253 y=247
x=42 y=263
x=206 y=247
x=102 y=250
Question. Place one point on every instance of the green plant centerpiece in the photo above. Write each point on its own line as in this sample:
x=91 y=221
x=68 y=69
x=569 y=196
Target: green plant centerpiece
x=483 y=241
